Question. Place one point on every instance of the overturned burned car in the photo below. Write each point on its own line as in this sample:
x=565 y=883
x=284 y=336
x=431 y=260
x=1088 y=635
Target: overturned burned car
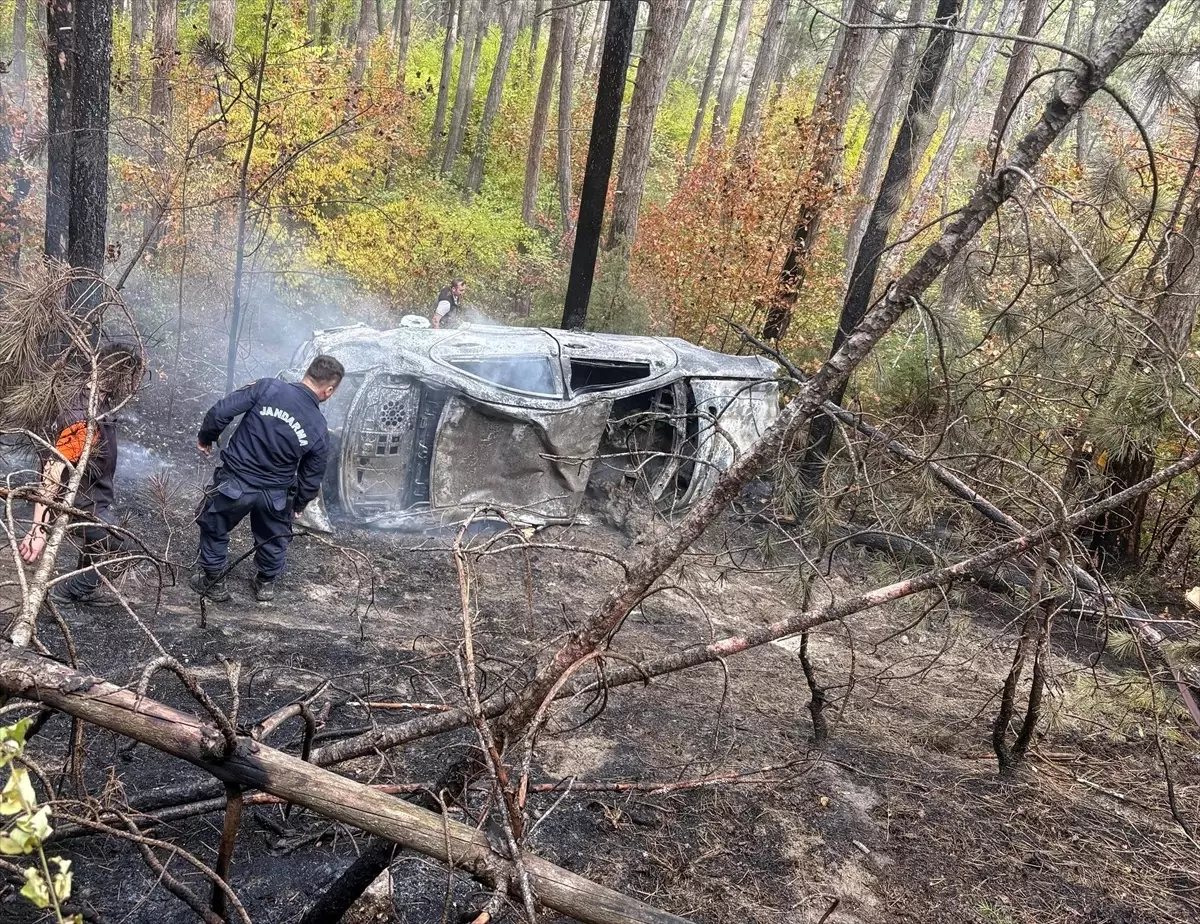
x=431 y=425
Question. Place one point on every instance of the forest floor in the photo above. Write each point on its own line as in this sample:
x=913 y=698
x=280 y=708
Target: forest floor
x=900 y=817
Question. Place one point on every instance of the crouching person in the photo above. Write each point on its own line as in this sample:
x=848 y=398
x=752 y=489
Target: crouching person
x=271 y=469
x=119 y=367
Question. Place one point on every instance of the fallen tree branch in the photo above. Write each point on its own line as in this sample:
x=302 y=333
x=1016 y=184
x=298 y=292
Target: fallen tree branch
x=34 y=677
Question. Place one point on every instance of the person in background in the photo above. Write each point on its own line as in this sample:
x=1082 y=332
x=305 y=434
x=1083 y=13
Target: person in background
x=119 y=368
x=449 y=304
x=271 y=469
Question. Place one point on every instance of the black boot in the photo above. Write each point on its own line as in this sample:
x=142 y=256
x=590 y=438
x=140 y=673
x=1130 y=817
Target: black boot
x=264 y=588
x=211 y=586
x=69 y=593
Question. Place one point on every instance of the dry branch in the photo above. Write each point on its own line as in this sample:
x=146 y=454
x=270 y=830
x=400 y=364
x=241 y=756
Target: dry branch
x=253 y=765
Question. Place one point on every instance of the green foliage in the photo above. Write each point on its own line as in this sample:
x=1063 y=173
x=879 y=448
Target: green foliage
x=30 y=828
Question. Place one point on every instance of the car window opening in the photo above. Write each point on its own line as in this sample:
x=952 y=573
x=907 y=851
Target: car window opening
x=601 y=374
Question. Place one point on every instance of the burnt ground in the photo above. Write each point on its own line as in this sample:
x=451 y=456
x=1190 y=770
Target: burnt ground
x=900 y=817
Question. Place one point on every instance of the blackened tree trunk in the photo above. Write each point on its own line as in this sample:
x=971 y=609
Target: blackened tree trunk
x=20 y=69
x=495 y=95
x=610 y=93
x=664 y=28
x=89 y=165
x=362 y=43
x=60 y=144
x=221 y=15
x=879 y=138
x=468 y=69
x=732 y=75
x=541 y=118
x=566 y=81
x=710 y=76
x=965 y=107
x=439 y=115
x=764 y=73
x=895 y=184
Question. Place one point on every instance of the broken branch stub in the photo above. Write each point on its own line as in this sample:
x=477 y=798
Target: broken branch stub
x=254 y=765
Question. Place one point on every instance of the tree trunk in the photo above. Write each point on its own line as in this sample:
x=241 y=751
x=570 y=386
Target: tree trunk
x=965 y=108
x=495 y=95
x=895 y=183
x=834 y=106
x=468 y=68
x=439 y=115
x=60 y=142
x=710 y=75
x=138 y=27
x=362 y=45
x=879 y=138
x=89 y=165
x=565 y=83
x=379 y=24
x=253 y=765
x=764 y=73
x=11 y=206
x=20 y=69
x=166 y=33
x=619 y=27
x=535 y=34
x=312 y=22
x=732 y=75
x=664 y=28
x=1015 y=77
x=694 y=47
x=221 y=15
x=541 y=118
x=404 y=9
x=597 y=41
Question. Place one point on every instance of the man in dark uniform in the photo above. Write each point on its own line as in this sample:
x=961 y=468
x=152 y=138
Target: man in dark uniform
x=446 y=313
x=119 y=367
x=271 y=469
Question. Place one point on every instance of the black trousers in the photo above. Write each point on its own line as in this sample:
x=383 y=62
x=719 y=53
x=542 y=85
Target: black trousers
x=95 y=543
x=227 y=502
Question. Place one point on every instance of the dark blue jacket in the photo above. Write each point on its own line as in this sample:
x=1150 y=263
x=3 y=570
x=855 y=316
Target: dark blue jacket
x=281 y=442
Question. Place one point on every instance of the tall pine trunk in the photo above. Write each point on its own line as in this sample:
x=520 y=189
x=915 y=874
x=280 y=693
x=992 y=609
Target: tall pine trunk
x=732 y=75
x=833 y=107
x=89 y=165
x=468 y=69
x=60 y=141
x=965 y=107
x=664 y=28
x=221 y=15
x=535 y=35
x=764 y=73
x=1014 y=79
x=541 y=118
x=597 y=42
x=166 y=35
x=895 y=183
x=439 y=115
x=710 y=76
x=896 y=86
x=20 y=69
x=495 y=95
x=403 y=36
x=362 y=45
x=565 y=83
x=139 y=26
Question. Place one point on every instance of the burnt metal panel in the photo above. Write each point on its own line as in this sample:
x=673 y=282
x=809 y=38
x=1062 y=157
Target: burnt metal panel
x=529 y=463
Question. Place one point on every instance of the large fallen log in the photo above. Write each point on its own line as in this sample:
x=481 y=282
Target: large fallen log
x=257 y=766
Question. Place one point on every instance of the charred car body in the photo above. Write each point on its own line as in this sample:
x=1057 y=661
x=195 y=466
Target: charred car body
x=432 y=425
